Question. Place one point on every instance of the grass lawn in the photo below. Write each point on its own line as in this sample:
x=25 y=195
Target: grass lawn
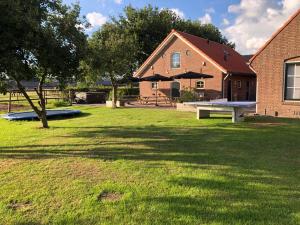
x=149 y=166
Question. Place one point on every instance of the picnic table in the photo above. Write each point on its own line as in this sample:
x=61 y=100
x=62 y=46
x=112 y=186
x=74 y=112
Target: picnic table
x=153 y=100
x=236 y=108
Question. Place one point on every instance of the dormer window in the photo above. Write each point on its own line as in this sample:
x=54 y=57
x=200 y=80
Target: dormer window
x=175 y=60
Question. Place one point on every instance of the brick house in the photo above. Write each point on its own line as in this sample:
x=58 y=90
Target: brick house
x=232 y=78
x=277 y=65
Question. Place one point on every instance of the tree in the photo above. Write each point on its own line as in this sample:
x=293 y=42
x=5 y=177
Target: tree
x=148 y=26
x=111 y=53
x=43 y=39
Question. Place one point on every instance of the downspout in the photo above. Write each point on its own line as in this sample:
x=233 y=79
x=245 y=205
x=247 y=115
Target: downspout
x=225 y=78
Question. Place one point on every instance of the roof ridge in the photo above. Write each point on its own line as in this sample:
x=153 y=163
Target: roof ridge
x=202 y=38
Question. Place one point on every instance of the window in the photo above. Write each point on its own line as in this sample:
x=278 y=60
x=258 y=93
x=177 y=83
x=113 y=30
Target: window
x=239 y=84
x=292 y=81
x=154 y=85
x=175 y=60
x=200 y=84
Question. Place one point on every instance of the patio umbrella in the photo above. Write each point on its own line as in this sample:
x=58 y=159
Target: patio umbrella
x=127 y=80
x=191 y=75
x=156 y=78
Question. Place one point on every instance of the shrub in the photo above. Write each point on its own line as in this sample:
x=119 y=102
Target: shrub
x=187 y=96
x=61 y=103
x=124 y=91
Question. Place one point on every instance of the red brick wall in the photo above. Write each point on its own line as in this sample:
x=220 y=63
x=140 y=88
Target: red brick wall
x=269 y=66
x=192 y=62
x=245 y=92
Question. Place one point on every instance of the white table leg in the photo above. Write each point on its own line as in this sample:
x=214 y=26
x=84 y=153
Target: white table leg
x=237 y=115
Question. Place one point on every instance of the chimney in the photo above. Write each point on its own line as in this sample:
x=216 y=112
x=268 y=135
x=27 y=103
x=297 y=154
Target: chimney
x=226 y=54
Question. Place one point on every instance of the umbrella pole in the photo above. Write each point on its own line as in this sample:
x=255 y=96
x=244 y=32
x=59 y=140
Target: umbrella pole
x=156 y=95
x=190 y=84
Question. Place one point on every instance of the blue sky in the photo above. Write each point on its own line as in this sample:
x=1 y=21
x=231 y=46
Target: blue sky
x=249 y=23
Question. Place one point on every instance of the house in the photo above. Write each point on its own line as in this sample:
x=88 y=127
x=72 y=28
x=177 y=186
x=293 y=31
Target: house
x=179 y=53
x=277 y=65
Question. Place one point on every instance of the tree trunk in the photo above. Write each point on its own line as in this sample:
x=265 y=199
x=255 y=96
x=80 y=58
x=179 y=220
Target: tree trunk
x=43 y=119
x=41 y=113
x=114 y=96
x=42 y=102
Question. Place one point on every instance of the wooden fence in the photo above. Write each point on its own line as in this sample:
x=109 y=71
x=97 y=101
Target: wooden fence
x=15 y=96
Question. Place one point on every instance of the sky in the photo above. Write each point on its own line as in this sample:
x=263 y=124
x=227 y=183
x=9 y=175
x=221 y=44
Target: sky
x=248 y=23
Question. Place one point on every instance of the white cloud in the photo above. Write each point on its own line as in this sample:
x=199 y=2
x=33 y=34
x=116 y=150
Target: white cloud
x=256 y=21
x=119 y=2
x=96 y=19
x=206 y=19
x=210 y=10
x=225 y=22
x=178 y=12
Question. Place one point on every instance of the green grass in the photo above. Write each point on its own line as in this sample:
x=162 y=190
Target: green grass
x=166 y=167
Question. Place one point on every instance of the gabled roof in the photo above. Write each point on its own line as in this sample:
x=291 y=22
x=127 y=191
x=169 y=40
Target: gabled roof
x=275 y=34
x=222 y=56
x=247 y=57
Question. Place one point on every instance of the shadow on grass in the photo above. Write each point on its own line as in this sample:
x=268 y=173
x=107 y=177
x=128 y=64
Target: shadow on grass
x=238 y=203
x=259 y=167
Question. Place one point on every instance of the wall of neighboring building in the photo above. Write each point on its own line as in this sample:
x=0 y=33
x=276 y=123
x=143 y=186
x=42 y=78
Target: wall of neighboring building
x=190 y=61
x=269 y=66
x=243 y=88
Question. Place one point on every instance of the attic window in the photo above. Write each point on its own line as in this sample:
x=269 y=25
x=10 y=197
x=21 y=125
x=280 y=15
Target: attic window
x=175 y=60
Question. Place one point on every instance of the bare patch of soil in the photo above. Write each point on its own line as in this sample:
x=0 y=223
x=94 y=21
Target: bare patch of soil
x=7 y=164
x=109 y=196
x=268 y=124
x=16 y=205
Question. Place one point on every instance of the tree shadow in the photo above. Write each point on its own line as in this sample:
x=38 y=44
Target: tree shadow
x=259 y=168
x=230 y=201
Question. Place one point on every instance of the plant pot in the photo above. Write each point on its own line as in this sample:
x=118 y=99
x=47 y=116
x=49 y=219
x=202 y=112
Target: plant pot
x=119 y=103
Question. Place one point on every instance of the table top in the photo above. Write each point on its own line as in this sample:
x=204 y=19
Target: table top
x=224 y=104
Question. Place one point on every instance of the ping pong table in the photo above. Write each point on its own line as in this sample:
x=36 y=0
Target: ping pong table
x=236 y=108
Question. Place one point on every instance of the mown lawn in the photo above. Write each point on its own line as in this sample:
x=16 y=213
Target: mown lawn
x=152 y=167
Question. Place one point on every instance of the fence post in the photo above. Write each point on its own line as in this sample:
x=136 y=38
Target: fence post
x=70 y=97
x=9 y=103
x=45 y=97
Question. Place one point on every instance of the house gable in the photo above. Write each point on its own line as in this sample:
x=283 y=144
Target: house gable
x=170 y=38
x=279 y=32
x=190 y=59
x=270 y=64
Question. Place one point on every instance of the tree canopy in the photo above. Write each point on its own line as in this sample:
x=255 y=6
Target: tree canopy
x=41 y=39
x=148 y=26
x=111 y=54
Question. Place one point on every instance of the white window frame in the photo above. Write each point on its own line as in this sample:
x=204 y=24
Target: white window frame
x=200 y=88
x=239 y=84
x=154 y=85
x=175 y=53
x=285 y=80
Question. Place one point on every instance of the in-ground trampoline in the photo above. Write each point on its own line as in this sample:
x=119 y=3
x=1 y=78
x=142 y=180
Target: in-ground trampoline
x=33 y=116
